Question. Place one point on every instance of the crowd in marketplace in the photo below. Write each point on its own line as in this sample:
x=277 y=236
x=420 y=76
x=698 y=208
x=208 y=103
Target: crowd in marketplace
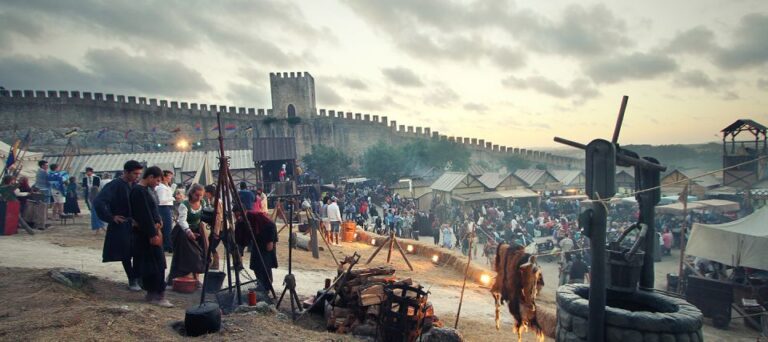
x=144 y=215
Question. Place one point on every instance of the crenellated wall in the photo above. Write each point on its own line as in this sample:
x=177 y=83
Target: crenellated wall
x=119 y=123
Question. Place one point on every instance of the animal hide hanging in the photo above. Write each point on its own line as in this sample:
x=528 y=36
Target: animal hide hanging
x=518 y=281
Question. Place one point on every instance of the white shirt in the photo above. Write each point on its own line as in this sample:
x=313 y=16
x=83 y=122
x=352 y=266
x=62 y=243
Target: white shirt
x=164 y=195
x=334 y=214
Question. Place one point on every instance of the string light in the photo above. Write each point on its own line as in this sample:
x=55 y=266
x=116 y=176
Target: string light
x=435 y=258
x=409 y=248
x=485 y=279
x=373 y=242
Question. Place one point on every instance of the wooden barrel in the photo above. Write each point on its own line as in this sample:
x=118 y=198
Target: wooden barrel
x=348 y=229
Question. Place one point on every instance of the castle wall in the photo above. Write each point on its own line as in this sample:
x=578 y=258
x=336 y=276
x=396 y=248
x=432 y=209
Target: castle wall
x=129 y=124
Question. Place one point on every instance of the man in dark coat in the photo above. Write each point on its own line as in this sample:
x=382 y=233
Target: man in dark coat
x=265 y=232
x=149 y=259
x=90 y=180
x=112 y=206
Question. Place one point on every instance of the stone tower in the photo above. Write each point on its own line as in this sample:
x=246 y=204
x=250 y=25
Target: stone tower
x=293 y=94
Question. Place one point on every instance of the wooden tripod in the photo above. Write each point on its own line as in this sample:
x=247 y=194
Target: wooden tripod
x=392 y=242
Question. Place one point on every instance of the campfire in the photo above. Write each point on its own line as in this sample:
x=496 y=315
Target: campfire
x=373 y=301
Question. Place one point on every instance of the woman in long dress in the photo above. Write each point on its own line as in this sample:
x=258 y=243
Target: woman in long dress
x=70 y=205
x=188 y=236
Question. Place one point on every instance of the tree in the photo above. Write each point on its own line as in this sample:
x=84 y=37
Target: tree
x=437 y=153
x=329 y=163
x=385 y=163
x=514 y=163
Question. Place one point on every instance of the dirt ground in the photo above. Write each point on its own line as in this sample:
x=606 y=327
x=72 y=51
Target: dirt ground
x=84 y=315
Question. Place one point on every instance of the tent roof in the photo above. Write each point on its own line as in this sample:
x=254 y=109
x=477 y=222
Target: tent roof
x=720 y=205
x=677 y=208
x=448 y=181
x=566 y=176
x=742 y=242
x=736 y=125
x=518 y=193
x=492 y=179
x=530 y=176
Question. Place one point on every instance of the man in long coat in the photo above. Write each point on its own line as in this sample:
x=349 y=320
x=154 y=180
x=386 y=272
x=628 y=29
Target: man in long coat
x=112 y=206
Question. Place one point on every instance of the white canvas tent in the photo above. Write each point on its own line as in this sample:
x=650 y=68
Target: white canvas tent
x=742 y=242
x=204 y=175
x=29 y=160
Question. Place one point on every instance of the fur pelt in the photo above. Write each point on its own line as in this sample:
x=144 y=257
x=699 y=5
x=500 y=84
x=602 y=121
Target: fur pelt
x=517 y=283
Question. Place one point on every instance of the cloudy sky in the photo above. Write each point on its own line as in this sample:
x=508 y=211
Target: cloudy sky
x=514 y=72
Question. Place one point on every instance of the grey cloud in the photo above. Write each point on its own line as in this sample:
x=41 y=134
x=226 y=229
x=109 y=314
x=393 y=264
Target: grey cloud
x=386 y=102
x=451 y=29
x=442 y=96
x=402 y=76
x=353 y=83
x=186 y=24
x=695 y=79
x=26 y=72
x=730 y=96
x=108 y=70
x=582 y=31
x=13 y=26
x=475 y=107
x=762 y=84
x=247 y=94
x=580 y=89
x=632 y=66
x=327 y=96
x=751 y=46
x=696 y=40
x=145 y=74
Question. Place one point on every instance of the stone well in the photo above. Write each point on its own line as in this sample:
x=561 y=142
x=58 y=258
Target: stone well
x=634 y=317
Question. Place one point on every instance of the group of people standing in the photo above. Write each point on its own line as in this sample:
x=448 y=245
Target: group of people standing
x=139 y=209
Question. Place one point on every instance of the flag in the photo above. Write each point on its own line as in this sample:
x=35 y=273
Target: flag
x=684 y=195
x=197 y=127
x=128 y=132
x=71 y=133
x=12 y=154
x=230 y=127
x=101 y=133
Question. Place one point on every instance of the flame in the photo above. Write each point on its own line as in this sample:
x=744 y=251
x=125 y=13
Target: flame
x=540 y=336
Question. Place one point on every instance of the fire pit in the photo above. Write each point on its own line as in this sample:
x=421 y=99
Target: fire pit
x=629 y=317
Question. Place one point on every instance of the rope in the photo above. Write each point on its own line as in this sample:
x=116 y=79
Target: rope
x=685 y=180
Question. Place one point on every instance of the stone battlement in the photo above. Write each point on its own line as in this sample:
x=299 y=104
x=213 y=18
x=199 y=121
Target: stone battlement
x=116 y=110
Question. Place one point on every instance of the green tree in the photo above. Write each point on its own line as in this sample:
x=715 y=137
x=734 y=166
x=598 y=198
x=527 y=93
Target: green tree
x=514 y=163
x=329 y=163
x=437 y=153
x=385 y=163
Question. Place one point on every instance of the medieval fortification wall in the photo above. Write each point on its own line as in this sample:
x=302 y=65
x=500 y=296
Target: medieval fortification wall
x=116 y=123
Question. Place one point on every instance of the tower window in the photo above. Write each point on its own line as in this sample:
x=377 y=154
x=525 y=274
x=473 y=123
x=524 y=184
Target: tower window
x=291 y=111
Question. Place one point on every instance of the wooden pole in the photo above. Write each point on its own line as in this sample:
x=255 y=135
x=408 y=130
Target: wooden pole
x=683 y=230
x=466 y=274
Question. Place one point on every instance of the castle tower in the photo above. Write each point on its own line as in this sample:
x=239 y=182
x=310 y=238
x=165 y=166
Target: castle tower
x=293 y=94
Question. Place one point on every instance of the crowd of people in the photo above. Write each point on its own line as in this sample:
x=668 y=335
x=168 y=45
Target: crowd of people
x=145 y=216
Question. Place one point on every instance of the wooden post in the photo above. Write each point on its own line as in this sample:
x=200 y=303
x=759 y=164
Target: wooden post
x=683 y=230
x=466 y=273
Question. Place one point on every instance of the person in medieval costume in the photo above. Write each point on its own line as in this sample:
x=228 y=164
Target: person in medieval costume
x=263 y=259
x=112 y=206
x=149 y=259
x=189 y=239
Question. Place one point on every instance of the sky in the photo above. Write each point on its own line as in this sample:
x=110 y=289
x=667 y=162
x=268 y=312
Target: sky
x=516 y=73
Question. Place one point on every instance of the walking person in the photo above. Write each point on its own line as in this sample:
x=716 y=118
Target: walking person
x=263 y=259
x=89 y=181
x=97 y=225
x=113 y=206
x=148 y=247
x=164 y=192
x=334 y=216
x=56 y=183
